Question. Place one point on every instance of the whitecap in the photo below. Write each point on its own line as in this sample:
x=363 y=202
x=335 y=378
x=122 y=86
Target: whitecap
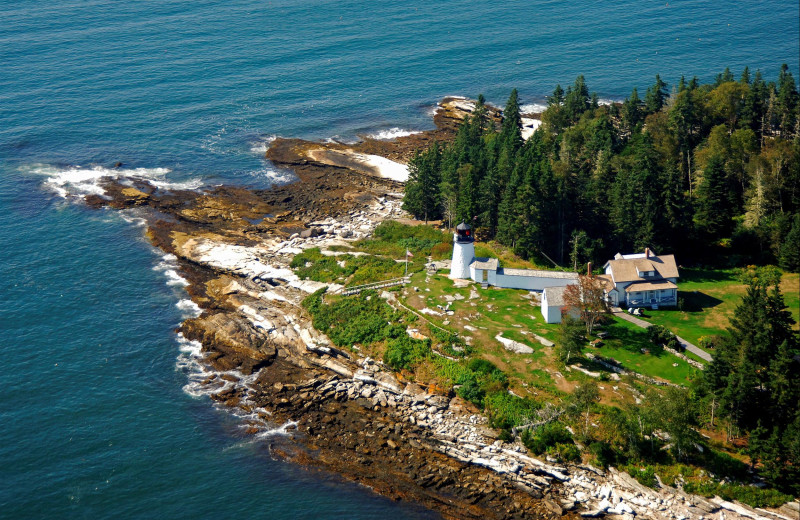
x=190 y=308
x=80 y=181
x=261 y=145
x=275 y=177
x=392 y=133
x=280 y=430
x=532 y=108
x=606 y=101
x=169 y=266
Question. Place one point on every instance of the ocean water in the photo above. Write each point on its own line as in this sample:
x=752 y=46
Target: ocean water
x=98 y=417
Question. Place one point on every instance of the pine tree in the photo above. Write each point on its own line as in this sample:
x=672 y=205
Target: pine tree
x=714 y=211
x=655 y=96
x=790 y=249
x=422 y=195
x=576 y=101
x=511 y=133
x=631 y=111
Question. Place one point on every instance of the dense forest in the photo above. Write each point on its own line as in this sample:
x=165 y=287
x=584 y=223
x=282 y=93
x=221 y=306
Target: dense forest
x=708 y=172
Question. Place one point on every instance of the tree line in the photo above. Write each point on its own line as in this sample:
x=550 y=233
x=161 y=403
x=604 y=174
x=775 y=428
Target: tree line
x=710 y=172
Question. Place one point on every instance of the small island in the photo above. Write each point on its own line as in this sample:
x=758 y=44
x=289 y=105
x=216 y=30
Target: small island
x=342 y=315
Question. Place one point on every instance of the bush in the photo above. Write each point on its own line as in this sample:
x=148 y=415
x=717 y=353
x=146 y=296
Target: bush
x=363 y=319
x=545 y=437
x=711 y=342
x=450 y=340
x=659 y=335
x=507 y=411
x=750 y=495
x=442 y=251
x=403 y=352
x=646 y=475
x=603 y=454
x=470 y=390
x=565 y=452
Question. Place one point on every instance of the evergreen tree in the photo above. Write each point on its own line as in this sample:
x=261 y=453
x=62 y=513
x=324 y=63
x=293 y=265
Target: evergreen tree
x=725 y=77
x=714 y=211
x=511 y=133
x=631 y=112
x=576 y=101
x=790 y=249
x=745 y=78
x=571 y=338
x=655 y=96
x=422 y=195
x=787 y=100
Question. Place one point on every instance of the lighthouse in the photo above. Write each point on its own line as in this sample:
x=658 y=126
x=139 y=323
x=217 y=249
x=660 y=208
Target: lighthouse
x=463 y=251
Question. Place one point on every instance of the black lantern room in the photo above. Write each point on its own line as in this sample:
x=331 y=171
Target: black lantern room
x=464 y=234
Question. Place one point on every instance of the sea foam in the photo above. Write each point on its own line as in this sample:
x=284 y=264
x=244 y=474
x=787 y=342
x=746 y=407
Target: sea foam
x=79 y=181
x=391 y=133
x=532 y=108
x=169 y=266
x=261 y=145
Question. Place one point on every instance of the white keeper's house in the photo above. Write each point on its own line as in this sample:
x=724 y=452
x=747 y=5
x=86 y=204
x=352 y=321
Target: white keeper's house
x=642 y=280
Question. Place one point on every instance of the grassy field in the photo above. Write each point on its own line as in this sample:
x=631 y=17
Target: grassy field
x=516 y=315
x=710 y=297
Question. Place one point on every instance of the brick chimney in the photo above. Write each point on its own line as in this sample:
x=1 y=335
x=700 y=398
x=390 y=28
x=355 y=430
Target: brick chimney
x=647 y=252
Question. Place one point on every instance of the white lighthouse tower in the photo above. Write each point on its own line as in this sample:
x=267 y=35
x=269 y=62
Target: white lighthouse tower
x=463 y=251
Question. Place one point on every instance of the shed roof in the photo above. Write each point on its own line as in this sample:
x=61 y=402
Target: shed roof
x=490 y=264
x=539 y=273
x=554 y=296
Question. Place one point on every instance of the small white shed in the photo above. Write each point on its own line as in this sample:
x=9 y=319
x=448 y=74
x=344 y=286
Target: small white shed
x=552 y=303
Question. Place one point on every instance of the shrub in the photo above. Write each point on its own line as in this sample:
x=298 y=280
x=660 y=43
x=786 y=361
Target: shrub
x=565 y=452
x=545 y=437
x=507 y=411
x=659 y=335
x=363 y=319
x=403 y=352
x=646 y=475
x=603 y=454
x=471 y=391
x=711 y=342
x=750 y=495
x=442 y=251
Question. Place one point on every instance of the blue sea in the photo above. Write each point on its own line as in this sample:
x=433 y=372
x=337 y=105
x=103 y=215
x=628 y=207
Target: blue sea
x=97 y=414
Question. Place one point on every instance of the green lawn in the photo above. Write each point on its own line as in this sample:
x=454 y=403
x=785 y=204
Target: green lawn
x=625 y=343
x=710 y=297
x=511 y=313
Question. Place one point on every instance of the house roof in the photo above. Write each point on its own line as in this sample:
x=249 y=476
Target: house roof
x=490 y=264
x=650 y=286
x=605 y=279
x=627 y=269
x=554 y=296
x=539 y=273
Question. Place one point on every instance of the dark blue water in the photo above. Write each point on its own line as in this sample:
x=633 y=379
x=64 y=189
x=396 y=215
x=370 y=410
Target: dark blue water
x=94 y=419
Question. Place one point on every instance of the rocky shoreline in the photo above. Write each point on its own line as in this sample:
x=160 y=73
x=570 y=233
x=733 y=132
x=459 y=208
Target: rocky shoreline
x=335 y=409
